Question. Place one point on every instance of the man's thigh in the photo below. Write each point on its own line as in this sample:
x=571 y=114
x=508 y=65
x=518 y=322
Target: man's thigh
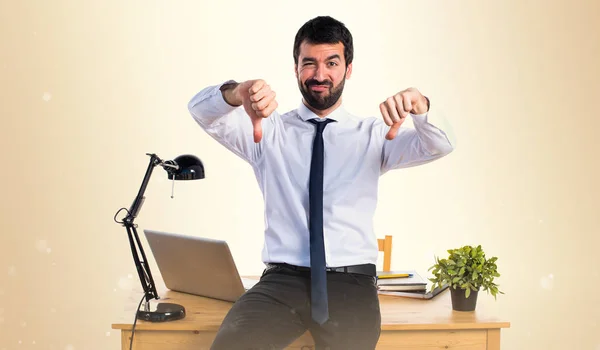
x=355 y=316
x=266 y=317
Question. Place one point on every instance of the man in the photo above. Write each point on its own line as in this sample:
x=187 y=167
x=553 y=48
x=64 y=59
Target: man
x=318 y=167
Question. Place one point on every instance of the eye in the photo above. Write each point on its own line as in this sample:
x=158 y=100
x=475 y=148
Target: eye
x=332 y=64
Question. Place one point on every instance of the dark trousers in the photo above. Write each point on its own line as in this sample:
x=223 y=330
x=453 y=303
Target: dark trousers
x=276 y=311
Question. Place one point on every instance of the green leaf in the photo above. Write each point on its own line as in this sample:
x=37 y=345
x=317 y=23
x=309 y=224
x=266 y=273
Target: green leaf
x=466 y=267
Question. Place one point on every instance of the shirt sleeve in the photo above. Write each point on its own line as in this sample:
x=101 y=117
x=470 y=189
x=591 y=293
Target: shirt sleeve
x=229 y=125
x=432 y=138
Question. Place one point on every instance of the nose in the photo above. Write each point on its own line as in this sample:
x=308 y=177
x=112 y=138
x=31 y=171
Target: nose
x=320 y=72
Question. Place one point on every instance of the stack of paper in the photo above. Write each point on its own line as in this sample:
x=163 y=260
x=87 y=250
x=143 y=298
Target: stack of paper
x=405 y=284
x=400 y=281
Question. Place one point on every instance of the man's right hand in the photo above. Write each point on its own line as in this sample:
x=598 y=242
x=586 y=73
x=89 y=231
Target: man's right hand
x=258 y=100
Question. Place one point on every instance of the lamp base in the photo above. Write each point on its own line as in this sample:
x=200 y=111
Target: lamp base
x=164 y=312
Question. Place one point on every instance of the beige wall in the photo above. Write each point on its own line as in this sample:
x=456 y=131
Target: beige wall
x=87 y=88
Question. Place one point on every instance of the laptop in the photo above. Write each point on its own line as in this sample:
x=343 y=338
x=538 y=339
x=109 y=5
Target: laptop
x=197 y=265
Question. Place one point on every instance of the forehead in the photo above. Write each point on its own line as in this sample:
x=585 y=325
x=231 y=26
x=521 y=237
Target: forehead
x=320 y=51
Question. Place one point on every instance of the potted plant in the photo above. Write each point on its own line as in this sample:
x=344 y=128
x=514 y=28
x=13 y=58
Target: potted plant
x=466 y=271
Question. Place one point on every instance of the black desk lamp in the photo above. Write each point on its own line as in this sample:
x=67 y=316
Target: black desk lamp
x=184 y=167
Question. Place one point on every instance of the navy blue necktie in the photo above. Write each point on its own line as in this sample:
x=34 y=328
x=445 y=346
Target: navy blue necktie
x=318 y=273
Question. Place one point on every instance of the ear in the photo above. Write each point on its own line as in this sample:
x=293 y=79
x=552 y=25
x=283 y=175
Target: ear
x=349 y=71
x=296 y=70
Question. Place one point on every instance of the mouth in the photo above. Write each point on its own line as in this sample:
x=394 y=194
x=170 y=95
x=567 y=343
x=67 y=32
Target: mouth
x=319 y=88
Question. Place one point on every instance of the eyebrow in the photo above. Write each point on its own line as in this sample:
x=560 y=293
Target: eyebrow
x=312 y=59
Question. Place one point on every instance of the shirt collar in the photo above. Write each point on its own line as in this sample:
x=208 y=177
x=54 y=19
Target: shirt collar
x=338 y=114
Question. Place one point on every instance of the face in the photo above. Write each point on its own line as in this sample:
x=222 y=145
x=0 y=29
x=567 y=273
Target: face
x=321 y=72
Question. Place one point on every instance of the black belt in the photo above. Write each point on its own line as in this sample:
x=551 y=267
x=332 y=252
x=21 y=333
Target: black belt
x=364 y=269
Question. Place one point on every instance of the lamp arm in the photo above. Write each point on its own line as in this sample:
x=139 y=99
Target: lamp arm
x=142 y=267
x=139 y=199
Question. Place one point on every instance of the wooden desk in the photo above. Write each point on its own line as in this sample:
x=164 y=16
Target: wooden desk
x=406 y=324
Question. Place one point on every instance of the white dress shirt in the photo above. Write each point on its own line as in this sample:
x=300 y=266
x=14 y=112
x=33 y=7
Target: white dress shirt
x=356 y=155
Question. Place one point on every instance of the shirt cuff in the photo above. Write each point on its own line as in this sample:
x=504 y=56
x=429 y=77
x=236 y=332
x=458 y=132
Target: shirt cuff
x=208 y=105
x=220 y=104
x=436 y=119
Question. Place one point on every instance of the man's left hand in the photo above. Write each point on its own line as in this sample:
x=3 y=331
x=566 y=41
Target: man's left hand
x=396 y=108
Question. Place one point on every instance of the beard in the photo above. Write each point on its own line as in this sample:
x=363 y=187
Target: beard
x=321 y=100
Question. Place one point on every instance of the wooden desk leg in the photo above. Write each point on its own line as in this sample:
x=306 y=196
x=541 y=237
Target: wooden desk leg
x=493 y=339
x=125 y=339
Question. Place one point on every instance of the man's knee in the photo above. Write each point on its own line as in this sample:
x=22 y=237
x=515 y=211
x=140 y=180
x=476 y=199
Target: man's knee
x=231 y=337
x=228 y=337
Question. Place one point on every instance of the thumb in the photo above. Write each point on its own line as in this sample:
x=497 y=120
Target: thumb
x=257 y=126
x=393 y=131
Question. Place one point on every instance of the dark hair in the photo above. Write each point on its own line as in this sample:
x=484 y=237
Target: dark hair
x=324 y=30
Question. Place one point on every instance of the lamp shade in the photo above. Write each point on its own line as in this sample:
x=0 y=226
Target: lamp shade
x=190 y=168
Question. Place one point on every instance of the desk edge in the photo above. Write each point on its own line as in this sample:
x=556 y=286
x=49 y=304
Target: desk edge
x=384 y=328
